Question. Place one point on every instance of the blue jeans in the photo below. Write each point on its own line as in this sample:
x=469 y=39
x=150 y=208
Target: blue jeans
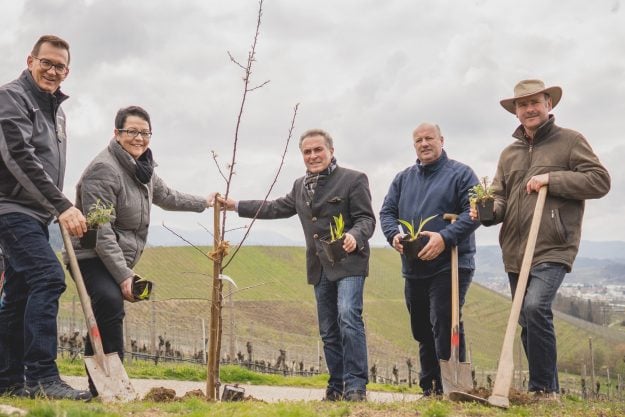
x=429 y=305
x=34 y=282
x=339 y=311
x=538 y=334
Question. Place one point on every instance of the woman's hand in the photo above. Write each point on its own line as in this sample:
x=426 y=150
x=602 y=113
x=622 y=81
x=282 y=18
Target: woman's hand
x=126 y=287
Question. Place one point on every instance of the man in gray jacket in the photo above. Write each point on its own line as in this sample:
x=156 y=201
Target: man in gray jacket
x=32 y=166
x=326 y=192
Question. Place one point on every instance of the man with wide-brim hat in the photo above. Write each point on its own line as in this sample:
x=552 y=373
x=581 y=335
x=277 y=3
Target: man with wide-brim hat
x=542 y=154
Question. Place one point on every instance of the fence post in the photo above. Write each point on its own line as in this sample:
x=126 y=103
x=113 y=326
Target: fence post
x=128 y=356
x=592 y=368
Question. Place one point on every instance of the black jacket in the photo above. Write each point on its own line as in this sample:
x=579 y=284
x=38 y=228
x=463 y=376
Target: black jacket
x=32 y=150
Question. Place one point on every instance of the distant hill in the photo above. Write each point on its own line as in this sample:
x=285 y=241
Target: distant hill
x=600 y=263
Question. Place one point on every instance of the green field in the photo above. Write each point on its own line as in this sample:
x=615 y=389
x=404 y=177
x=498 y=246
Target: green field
x=278 y=310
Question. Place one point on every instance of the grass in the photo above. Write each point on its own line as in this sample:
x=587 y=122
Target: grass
x=199 y=407
x=229 y=374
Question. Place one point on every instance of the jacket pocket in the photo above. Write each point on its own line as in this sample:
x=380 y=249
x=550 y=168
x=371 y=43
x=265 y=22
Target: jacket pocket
x=560 y=230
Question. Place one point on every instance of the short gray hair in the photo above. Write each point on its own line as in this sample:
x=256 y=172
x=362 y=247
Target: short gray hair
x=317 y=132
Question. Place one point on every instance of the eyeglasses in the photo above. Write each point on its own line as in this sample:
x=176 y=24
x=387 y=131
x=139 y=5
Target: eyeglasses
x=145 y=134
x=60 y=69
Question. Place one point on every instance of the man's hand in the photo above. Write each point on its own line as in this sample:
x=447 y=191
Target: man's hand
x=126 y=287
x=473 y=212
x=229 y=204
x=435 y=246
x=349 y=243
x=73 y=221
x=536 y=182
x=397 y=242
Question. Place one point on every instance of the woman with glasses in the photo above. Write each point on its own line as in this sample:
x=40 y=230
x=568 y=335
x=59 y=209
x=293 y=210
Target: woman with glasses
x=122 y=176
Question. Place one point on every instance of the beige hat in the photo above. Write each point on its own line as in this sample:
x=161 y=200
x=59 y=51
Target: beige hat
x=528 y=88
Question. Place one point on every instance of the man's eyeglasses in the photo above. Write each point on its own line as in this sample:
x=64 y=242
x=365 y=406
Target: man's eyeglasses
x=145 y=134
x=60 y=69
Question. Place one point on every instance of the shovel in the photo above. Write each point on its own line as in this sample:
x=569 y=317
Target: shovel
x=505 y=371
x=455 y=375
x=106 y=370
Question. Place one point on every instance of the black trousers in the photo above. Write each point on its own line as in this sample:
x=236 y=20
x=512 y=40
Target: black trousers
x=108 y=305
x=429 y=304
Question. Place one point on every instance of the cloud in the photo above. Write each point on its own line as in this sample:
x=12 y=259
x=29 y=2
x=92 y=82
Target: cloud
x=366 y=71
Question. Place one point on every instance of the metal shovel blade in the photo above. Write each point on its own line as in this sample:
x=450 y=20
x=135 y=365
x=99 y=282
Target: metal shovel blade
x=456 y=376
x=114 y=385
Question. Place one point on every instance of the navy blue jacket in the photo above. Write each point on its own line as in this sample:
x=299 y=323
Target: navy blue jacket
x=421 y=191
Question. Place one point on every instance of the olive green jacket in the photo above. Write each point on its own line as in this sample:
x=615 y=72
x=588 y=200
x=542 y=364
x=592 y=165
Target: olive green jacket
x=575 y=175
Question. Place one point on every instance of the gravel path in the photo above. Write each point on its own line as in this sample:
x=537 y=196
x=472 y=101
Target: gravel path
x=262 y=392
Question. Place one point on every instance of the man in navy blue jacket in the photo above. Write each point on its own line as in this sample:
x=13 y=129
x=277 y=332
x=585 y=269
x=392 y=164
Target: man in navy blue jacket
x=435 y=185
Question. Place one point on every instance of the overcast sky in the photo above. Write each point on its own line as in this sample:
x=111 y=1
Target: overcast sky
x=366 y=71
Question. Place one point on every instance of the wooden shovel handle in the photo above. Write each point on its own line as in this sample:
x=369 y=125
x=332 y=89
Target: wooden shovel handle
x=85 y=300
x=455 y=298
x=505 y=371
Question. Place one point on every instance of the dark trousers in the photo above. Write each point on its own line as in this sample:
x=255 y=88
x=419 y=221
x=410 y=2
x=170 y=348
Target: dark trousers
x=34 y=282
x=108 y=305
x=429 y=304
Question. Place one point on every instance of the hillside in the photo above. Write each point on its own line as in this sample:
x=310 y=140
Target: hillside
x=274 y=309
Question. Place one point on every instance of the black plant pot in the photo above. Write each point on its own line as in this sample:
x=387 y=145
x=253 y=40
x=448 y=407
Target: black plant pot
x=413 y=247
x=139 y=287
x=89 y=239
x=334 y=250
x=486 y=210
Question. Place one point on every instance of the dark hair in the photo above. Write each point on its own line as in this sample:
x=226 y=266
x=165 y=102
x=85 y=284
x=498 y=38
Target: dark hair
x=52 y=40
x=317 y=132
x=122 y=115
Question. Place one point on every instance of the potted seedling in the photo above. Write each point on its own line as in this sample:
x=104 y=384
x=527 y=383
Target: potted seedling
x=333 y=245
x=481 y=198
x=412 y=242
x=99 y=213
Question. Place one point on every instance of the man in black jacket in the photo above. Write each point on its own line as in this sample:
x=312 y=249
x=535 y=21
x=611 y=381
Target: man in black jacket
x=32 y=167
x=319 y=198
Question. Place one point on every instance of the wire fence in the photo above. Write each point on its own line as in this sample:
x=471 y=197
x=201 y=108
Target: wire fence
x=281 y=337
x=157 y=332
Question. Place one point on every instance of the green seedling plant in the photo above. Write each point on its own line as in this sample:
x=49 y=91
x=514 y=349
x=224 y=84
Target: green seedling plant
x=411 y=229
x=99 y=213
x=337 y=231
x=481 y=192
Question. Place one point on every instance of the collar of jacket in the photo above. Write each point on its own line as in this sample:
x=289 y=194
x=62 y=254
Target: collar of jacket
x=542 y=131
x=127 y=162
x=433 y=167
x=44 y=99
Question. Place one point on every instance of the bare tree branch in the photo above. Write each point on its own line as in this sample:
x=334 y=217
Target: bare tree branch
x=246 y=82
x=235 y=61
x=185 y=240
x=259 y=86
x=214 y=154
x=275 y=179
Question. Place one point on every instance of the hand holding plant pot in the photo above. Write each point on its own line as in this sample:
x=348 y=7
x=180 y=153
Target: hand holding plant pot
x=482 y=199
x=333 y=246
x=99 y=213
x=141 y=288
x=412 y=243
